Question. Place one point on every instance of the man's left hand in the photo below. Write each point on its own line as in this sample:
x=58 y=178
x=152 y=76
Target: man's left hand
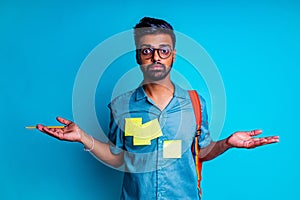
x=245 y=139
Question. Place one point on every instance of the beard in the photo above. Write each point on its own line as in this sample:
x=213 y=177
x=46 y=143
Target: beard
x=156 y=71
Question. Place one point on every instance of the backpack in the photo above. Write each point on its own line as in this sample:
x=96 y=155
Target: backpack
x=195 y=148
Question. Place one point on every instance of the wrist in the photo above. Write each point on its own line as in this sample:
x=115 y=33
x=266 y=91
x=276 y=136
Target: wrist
x=90 y=147
x=227 y=143
x=86 y=140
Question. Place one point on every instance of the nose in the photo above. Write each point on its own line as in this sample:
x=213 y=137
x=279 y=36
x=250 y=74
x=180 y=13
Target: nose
x=155 y=56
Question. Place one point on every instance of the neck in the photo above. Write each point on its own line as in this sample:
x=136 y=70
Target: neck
x=158 y=88
x=161 y=92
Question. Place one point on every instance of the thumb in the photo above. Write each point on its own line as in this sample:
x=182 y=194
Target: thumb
x=63 y=121
x=255 y=132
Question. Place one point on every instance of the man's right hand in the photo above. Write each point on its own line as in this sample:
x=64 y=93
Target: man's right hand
x=71 y=132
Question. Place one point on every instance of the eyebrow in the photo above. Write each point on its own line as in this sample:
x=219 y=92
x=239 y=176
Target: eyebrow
x=161 y=45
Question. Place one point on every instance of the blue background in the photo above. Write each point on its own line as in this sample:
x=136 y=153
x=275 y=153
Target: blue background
x=255 y=45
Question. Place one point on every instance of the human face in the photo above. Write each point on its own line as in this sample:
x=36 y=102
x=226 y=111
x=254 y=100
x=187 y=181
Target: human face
x=157 y=54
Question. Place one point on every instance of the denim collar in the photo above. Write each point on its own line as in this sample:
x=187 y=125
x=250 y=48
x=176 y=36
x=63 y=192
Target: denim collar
x=179 y=92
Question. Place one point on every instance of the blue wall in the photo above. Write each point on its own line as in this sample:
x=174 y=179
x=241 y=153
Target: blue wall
x=255 y=45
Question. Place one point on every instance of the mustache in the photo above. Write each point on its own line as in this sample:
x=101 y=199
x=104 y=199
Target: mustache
x=156 y=64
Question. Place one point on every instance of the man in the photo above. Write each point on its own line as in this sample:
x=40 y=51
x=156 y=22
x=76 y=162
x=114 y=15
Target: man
x=164 y=111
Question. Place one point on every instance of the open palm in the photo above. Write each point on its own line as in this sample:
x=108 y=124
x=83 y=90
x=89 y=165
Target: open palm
x=246 y=139
x=71 y=132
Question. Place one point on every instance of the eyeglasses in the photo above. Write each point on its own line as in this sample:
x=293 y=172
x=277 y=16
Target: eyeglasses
x=163 y=52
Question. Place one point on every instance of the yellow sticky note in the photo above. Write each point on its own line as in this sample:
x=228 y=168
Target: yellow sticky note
x=133 y=126
x=172 y=149
x=142 y=133
x=138 y=141
x=150 y=130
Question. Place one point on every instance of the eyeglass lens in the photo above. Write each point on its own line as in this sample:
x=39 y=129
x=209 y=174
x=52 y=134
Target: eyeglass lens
x=163 y=52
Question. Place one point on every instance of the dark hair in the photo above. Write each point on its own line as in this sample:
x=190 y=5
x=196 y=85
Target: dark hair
x=149 y=25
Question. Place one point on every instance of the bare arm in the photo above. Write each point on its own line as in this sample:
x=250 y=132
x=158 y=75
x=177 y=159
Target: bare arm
x=241 y=139
x=213 y=150
x=71 y=132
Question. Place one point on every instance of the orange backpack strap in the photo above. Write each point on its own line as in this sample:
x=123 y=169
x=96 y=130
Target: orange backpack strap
x=195 y=146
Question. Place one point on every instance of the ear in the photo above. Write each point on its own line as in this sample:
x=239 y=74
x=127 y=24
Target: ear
x=174 y=55
x=138 y=56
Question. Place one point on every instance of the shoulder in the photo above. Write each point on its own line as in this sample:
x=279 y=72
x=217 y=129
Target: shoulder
x=184 y=93
x=202 y=102
x=201 y=98
x=122 y=101
x=122 y=97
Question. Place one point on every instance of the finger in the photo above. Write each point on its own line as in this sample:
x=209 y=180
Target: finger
x=57 y=133
x=43 y=128
x=49 y=130
x=254 y=142
x=64 y=121
x=40 y=127
x=54 y=132
x=255 y=132
x=262 y=141
x=271 y=138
